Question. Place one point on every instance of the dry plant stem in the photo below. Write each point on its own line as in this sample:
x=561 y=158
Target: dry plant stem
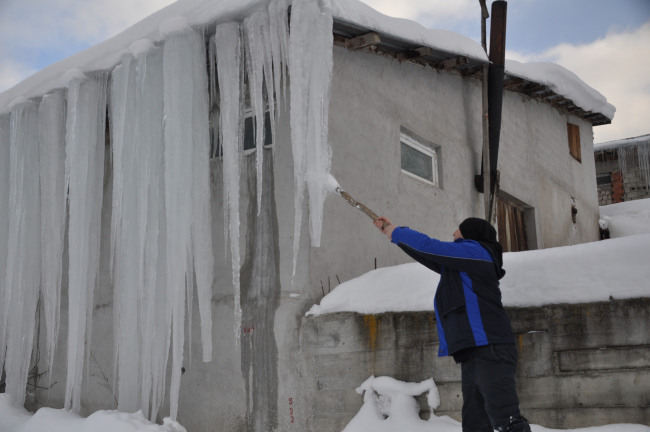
x=354 y=203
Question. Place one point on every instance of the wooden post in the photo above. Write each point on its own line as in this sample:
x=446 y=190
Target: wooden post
x=484 y=115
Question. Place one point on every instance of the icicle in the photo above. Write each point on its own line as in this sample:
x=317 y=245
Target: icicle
x=155 y=307
x=229 y=67
x=187 y=193
x=310 y=67
x=84 y=168
x=51 y=126
x=635 y=152
x=255 y=61
x=4 y=226
x=22 y=276
x=126 y=241
x=279 y=36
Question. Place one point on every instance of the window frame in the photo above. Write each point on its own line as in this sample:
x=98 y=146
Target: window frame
x=408 y=140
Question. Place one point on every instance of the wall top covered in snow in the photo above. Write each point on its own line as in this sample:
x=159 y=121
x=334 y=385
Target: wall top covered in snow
x=106 y=55
x=611 y=145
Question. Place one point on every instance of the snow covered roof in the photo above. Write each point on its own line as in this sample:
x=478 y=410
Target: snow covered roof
x=550 y=83
x=611 y=145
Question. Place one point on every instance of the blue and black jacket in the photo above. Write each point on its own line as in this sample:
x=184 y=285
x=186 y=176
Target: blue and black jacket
x=468 y=307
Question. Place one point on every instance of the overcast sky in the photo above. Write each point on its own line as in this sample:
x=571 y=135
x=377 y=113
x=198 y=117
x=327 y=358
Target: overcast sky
x=606 y=43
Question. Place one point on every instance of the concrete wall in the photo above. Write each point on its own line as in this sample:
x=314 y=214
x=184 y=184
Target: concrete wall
x=264 y=383
x=579 y=365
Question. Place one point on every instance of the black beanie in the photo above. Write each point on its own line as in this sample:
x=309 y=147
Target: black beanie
x=483 y=232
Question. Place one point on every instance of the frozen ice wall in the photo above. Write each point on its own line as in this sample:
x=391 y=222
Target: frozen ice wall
x=51 y=131
x=84 y=171
x=23 y=275
x=187 y=192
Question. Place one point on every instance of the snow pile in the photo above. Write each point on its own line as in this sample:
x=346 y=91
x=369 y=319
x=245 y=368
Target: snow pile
x=17 y=419
x=389 y=406
x=563 y=82
x=582 y=273
x=626 y=218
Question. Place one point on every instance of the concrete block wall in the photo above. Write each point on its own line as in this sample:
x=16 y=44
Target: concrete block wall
x=631 y=185
x=604 y=195
x=579 y=365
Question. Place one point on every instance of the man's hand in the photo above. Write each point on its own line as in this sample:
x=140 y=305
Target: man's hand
x=379 y=223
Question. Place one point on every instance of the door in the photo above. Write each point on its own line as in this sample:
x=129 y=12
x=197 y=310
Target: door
x=511 y=224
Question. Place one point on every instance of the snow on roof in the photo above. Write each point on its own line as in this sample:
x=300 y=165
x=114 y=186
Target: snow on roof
x=563 y=82
x=611 y=145
x=582 y=273
x=106 y=55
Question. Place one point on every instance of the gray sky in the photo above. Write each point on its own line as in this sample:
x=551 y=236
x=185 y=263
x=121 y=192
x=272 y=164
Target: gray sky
x=606 y=43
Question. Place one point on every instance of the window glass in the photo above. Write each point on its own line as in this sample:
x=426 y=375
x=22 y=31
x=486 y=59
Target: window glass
x=249 y=134
x=418 y=160
x=604 y=179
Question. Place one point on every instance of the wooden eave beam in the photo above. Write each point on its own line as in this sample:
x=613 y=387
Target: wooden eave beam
x=364 y=41
x=452 y=63
x=415 y=53
x=512 y=83
x=470 y=72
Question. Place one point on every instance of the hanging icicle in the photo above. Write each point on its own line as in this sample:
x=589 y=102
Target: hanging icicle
x=23 y=272
x=4 y=227
x=187 y=193
x=51 y=128
x=229 y=73
x=84 y=169
x=310 y=68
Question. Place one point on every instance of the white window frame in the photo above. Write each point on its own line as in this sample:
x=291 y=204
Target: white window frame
x=247 y=114
x=432 y=153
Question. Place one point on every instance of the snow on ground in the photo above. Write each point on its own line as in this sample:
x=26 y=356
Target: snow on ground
x=582 y=273
x=626 y=218
x=106 y=55
x=389 y=406
x=14 y=419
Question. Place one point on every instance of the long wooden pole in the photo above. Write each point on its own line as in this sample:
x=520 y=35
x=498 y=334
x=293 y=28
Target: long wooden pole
x=486 y=126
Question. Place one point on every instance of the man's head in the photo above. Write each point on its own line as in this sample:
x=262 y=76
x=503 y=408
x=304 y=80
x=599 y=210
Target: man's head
x=476 y=229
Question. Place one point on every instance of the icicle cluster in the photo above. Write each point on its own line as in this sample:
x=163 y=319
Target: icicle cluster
x=52 y=161
x=636 y=152
x=84 y=174
x=23 y=267
x=187 y=193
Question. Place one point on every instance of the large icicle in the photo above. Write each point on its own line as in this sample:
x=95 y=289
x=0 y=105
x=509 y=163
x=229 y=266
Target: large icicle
x=256 y=48
x=23 y=274
x=279 y=37
x=84 y=167
x=51 y=128
x=310 y=68
x=229 y=71
x=4 y=226
x=126 y=238
x=155 y=307
x=186 y=184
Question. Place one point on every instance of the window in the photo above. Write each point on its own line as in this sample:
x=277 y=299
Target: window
x=418 y=161
x=604 y=179
x=574 y=141
x=249 y=134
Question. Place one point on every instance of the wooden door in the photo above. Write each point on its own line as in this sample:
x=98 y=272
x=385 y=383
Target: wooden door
x=511 y=223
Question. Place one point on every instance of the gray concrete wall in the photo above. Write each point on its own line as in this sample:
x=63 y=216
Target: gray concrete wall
x=634 y=182
x=265 y=382
x=579 y=365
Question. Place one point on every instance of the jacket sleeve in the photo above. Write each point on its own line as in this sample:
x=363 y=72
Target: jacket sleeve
x=462 y=256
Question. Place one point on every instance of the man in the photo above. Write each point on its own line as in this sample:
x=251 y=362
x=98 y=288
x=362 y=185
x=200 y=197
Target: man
x=473 y=326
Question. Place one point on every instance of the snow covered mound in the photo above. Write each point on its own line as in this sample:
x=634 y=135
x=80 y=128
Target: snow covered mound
x=626 y=218
x=582 y=273
x=389 y=406
x=13 y=419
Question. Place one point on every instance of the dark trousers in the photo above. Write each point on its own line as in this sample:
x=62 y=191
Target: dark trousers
x=489 y=394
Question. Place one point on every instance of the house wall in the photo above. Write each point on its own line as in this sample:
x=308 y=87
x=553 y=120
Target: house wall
x=627 y=186
x=579 y=365
x=265 y=382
